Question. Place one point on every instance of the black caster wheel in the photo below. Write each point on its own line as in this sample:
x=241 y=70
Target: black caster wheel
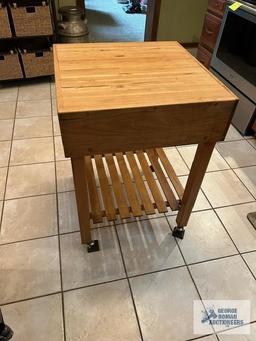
x=178 y=232
x=6 y=334
x=93 y=246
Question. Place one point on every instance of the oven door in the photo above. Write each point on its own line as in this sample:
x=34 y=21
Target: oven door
x=234 y=56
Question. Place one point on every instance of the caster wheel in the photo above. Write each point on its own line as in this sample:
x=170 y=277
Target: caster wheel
x=93 y=246
x=152 y=168
x=178 y=232
x=6 y=334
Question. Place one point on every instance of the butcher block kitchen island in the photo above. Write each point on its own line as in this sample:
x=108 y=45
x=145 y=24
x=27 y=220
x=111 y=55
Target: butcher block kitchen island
x=119 y=105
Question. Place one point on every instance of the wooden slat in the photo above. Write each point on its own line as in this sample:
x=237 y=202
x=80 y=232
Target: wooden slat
x=162 y=179
x=105 y=189
x=147 y=204
x=151 y=183
x=129 y=186
x=117 y=187
x=93 y=193
x=170 y=172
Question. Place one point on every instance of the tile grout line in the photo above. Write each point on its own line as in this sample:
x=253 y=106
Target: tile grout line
x=58 y=225
x=202 y=337
x=9 y=160
x=235 y=168
x=30 y=298
x=214 y=209
x=147 y=218
x=239 y=253
x=190 y=274
x=244 y=184
x=129 y=284
x=223 y=225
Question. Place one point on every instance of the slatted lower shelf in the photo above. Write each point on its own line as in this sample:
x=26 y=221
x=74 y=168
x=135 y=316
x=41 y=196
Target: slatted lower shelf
x=131 y=183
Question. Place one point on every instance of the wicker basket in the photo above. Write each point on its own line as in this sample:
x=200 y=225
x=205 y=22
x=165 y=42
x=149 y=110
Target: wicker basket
x=10 y=67
x=32 y=20
x=5 y=30
x=38 y=63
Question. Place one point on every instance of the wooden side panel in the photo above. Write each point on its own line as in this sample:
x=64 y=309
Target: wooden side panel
x=94 y=133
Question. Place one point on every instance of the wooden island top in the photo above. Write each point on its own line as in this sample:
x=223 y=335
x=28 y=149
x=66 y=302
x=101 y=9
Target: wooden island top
x=105 y=76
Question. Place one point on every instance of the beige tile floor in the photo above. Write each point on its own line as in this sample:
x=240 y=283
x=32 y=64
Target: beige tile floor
x=142 y=283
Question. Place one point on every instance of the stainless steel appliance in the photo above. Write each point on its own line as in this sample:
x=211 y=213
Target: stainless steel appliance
x=234 y=60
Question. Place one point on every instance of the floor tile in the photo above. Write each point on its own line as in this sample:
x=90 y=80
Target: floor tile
x=248 y=176
x=164 y=300
x=238 y=153
x=68 y=218
x=56 y=125
x=28 y=180
x=103 y=312
x=3 y=173
x=227 y=337
x=65 y=180
x=252 y=142
x=148 y=245
x=176 y=161
x=7 y=109
x=6 y=128
x=54 y=107
x=59 y=151
x=8 y=93
x=216 y=163
x=33 y=108
x=32 y=151
x=201 y=202
x=238 y=226
x=4 y=152
x=224 y=188
x=206 y=235
x=225 y=279
x=29 y=269
x=1 y=208
x=30 y=91
x=80 y=268
x=53 y=90
x=233 y=134
x=38 y=319
x=32 y=127
x=250 y=259
x=28 y=218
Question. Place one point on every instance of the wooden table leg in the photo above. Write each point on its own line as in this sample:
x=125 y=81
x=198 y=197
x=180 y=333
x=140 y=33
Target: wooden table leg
x=197 y=172
x=82 y=202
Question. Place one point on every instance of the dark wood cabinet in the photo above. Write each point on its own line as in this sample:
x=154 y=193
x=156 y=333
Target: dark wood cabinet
x=204 y=56
x=210 y=31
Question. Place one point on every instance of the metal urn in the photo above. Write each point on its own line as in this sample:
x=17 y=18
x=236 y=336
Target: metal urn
x=73 y=27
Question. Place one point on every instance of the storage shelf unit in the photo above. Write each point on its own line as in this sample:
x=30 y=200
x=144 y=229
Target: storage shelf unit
x=139 y=184
x=26 y=37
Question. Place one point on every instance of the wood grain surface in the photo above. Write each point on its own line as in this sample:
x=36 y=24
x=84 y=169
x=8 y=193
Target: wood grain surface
x=117 y=97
